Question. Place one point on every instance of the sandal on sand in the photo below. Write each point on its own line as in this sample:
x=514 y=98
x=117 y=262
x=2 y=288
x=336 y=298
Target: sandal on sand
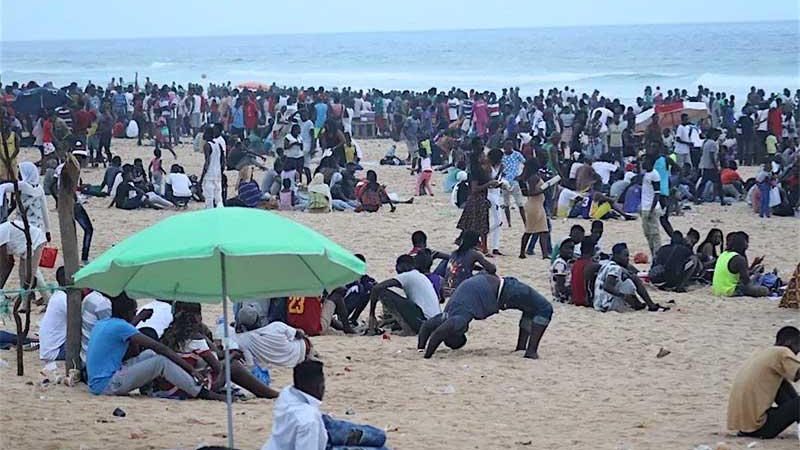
x=658 y=308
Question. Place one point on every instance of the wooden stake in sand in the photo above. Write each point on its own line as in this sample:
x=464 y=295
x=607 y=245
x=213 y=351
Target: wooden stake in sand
x=67 y=184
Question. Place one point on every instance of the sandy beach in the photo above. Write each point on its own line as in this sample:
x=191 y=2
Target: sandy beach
x=598 y=384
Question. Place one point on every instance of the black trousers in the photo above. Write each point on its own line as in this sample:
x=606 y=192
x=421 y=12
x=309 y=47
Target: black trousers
x=712 y=175
x=782 y=416
x=407 y=312
x=88 y=230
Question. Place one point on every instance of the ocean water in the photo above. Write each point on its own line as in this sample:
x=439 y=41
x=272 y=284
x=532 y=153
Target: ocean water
x=617 y=60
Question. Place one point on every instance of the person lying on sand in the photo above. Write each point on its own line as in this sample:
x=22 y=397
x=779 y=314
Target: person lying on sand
x=274 y=344
x=763 y=381
x=480 y=297
x=114 y=338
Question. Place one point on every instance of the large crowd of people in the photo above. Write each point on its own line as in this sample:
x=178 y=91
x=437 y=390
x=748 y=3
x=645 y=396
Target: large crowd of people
x=554 y=154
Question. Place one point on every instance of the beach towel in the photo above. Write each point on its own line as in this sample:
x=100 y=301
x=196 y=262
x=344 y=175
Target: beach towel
x=791 y=297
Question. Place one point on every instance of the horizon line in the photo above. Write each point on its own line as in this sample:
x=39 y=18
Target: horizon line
x=423 y=30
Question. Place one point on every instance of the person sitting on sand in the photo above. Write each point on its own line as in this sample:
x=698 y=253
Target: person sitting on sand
x=481 y=297
x=674 y=265
x=357 y=293
x=319 y=195
x=419 y=302
x=53 y=326
x=423 y=261
x=372 y=195
x=419 y=242
x=576 y=234
x=298 y=423
x=732 y=273
x=617 y=286
x=178 y=187
x=763 y=402
x=190 y=338
x=561 y=272
x=115 y=337
x=464 y=261
x=95 y=307
x=581 y=290
x=707 y=250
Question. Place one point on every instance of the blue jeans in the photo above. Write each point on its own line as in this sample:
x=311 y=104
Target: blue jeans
x=339 y=432
x=8 y=339
x=535 y=238
x=765 y=210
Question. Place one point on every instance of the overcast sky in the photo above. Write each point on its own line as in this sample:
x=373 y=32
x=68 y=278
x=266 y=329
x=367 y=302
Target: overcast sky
x=105 y=19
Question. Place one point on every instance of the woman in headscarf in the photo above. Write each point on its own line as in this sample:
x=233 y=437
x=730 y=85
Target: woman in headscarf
x=319 y=195
x=35 y=204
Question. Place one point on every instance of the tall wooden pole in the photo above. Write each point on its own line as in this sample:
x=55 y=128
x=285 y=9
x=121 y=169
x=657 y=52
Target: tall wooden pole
x=68 y=183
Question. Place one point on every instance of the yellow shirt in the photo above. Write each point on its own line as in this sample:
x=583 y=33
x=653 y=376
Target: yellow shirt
x=756 y=385
x=772 y=144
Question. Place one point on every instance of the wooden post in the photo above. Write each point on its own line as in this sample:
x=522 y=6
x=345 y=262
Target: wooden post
x=9 y=160
x=67 y=184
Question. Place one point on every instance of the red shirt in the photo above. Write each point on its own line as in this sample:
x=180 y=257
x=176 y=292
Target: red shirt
x=305 y=313
x=775 y=122
x=728 y=176
x=250 y=114
x=47 y=131
x=83 y=120
x=578 y=282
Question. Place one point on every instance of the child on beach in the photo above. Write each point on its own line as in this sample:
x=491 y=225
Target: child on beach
x=156 y=172
x=424 y=173
x=286 y=197
x=765 y=181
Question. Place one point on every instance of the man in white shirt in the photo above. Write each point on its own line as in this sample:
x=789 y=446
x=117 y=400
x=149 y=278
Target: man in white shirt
x=160 y=319
x=452 y=108
x=421 y=302
x=604 y=169
x=683 y=142
x=53 y=327
x=298 y=423
x=651 y=212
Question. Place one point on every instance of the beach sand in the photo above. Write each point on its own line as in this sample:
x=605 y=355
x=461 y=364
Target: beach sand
x=598 y=384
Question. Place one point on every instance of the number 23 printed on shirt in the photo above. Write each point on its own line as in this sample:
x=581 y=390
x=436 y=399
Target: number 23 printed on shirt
x=297 y=305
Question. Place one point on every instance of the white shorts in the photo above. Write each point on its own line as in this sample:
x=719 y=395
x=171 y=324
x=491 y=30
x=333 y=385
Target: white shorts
x=516 y=193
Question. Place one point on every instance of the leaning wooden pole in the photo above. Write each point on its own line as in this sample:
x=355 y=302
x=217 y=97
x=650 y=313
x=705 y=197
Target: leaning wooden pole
x=68 y=183
x=9 y=157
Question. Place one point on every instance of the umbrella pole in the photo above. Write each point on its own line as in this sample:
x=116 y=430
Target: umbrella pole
x=228 y=394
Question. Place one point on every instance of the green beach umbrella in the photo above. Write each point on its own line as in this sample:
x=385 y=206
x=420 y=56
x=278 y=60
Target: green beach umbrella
x=214 y=255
